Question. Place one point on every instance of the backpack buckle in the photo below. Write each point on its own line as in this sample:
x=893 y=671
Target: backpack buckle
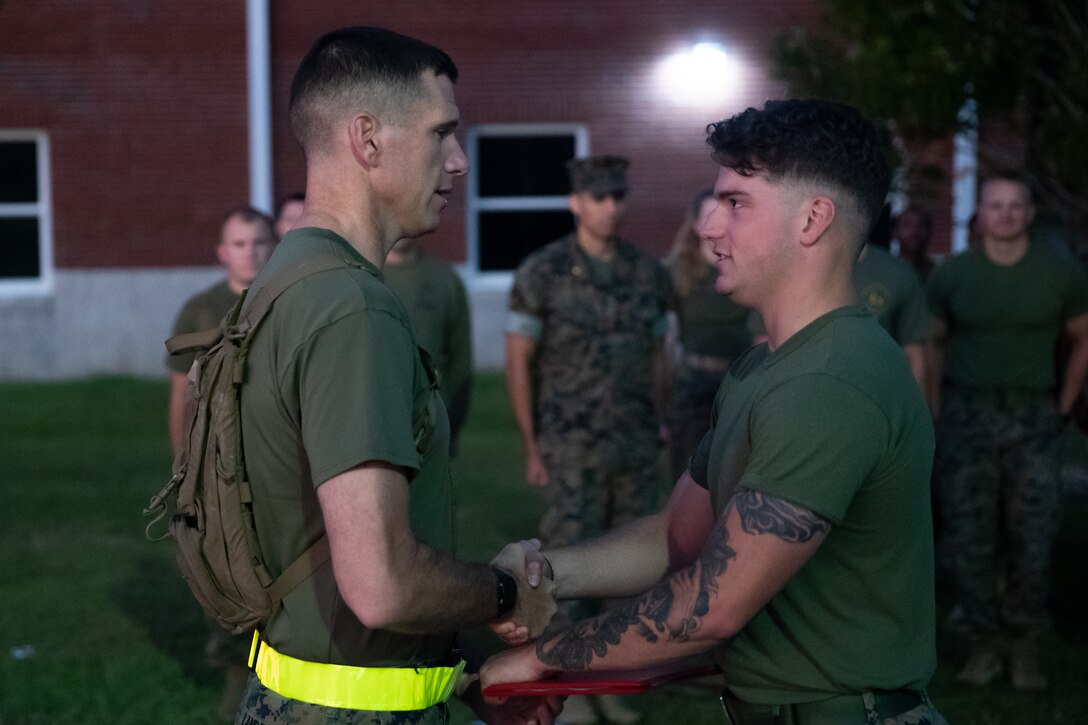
x=157 y=507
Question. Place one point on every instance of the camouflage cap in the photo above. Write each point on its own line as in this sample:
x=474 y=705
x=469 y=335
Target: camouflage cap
x=598 y=174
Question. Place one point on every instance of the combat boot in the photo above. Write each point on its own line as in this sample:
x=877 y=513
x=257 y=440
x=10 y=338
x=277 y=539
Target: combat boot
x=982 y=666
x=1024 y=670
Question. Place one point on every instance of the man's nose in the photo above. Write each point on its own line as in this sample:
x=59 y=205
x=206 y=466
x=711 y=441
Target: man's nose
x=457 y=162
x=710 y=226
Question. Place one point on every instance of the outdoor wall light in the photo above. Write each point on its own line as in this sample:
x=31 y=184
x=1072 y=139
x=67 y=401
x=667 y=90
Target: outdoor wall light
x=702 y=75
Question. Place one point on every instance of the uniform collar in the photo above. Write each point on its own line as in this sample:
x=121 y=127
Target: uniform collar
x=316 y=240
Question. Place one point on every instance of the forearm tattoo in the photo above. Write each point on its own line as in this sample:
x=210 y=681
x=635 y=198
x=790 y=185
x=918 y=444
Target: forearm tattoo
x=761 y=514
x=674 y=609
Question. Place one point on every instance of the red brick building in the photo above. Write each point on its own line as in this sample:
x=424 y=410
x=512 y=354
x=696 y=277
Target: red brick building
x=126 y=130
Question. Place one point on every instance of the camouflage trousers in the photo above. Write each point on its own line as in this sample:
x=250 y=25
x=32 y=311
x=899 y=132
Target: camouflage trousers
x=262 y=706
x=590 y=493
x=998 y=482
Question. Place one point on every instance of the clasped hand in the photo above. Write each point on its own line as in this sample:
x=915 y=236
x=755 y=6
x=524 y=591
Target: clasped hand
x=535 y=605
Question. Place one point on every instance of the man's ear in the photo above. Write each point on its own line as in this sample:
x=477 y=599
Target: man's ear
x=574 y=203
x=363 y=138
x=819 y=213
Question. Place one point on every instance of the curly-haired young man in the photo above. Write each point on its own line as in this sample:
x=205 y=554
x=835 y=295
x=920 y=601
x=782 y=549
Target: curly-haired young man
x=798 y=545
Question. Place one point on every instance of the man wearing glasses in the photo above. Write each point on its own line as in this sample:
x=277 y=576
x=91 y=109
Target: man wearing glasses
x=585 y=371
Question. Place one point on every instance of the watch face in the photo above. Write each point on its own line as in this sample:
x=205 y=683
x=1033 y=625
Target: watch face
x=506 y=591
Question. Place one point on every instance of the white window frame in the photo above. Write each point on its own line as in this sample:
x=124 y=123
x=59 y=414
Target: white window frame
x=42 y=209
x=476 y=204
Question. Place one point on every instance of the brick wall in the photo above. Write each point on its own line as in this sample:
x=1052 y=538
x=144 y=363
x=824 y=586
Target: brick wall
x=563 y=61
x=144 y=103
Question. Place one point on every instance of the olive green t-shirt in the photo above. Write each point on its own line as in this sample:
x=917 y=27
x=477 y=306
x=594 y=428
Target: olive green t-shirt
x=334 y=378
x=1004 y=321
x=437 y=306
x=889 y=287
x=711 y=323
x=832 y=421
x=203 y=311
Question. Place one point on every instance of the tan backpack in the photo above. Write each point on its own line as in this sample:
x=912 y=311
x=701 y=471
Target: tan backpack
x=209 y=494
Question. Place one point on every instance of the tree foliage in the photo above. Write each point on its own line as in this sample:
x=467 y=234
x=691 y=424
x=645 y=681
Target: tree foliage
x=915 y=62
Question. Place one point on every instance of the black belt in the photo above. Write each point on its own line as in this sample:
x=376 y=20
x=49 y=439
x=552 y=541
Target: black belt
x=838 y=710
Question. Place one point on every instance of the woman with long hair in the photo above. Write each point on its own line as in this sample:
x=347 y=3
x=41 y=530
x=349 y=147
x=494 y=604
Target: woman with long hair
x=712 y=331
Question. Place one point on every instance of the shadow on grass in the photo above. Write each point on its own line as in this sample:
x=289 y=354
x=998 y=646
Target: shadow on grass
x=157 y=598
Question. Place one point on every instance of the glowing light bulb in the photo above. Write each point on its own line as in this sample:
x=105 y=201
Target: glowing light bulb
x=705 y=74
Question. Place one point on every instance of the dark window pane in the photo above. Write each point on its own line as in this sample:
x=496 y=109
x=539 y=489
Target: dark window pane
x=524 y=165
x=507 y=236
x=18 y=171
x=19 y=256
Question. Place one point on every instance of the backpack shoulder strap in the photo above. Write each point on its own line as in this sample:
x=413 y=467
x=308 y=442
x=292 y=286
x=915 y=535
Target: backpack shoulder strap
x=257 y=307
x=250 y=317
x=305 y=565
x=192 y=341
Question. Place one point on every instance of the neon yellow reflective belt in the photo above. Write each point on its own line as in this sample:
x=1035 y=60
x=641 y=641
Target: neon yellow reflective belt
x=355 y=688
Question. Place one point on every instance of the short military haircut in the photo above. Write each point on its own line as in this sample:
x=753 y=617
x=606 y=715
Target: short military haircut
x=1010 y=176
x=920 y=211
x=356 y=68
x=285 y=200
x=247 y=214
x=809 y=141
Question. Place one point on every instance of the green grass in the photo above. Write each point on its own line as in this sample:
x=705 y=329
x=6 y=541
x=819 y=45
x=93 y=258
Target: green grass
x=117 y=637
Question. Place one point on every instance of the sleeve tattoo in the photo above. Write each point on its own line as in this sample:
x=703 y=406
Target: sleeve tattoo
x=674 y=608
x=761 y=514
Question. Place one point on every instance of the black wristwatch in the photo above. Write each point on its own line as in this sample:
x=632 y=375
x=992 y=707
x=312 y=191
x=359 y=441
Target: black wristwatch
x=506 y=591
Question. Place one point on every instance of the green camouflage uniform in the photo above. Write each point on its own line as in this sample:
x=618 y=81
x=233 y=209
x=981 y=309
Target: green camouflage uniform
x=596 y=325
x=998 y=430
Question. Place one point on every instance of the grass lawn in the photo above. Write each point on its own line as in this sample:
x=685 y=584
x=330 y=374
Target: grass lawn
x=96 y=626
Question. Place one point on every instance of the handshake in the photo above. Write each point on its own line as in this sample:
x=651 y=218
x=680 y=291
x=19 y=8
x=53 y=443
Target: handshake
x=533 y=610
x=536 y=592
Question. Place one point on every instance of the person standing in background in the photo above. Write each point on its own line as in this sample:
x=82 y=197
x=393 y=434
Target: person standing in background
x=1000 y=309
x=245 y=244
x=437 y=306
x=586 y=374
x=889 y=288
x=912 y=231
x=288 y=212
x=712 y=331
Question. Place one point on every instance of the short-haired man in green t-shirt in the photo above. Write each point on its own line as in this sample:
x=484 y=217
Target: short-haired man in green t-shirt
x=288 y=211
x=343 y=425
x=798 y=546
x=890 y=289
x=434 y=298
x=1001 y=308
x=245 y=244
